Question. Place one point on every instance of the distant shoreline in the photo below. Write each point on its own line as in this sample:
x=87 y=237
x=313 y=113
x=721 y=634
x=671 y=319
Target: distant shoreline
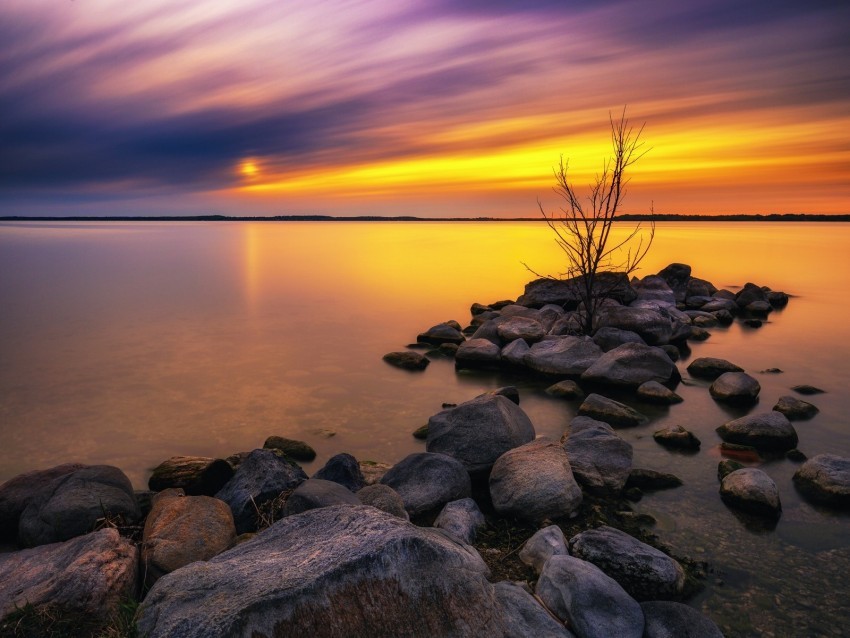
x=792 y=217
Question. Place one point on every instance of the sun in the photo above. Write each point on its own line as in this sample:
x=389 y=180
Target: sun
x=249 y=169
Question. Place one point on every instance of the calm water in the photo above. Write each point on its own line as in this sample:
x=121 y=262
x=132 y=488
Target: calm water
x=127 y=343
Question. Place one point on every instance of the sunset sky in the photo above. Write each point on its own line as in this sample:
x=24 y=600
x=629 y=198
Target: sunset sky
x=424 y=107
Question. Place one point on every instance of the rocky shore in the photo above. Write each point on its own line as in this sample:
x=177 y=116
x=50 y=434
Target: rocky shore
x=491 y=531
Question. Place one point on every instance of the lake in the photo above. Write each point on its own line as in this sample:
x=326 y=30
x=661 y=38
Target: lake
x=126 y=343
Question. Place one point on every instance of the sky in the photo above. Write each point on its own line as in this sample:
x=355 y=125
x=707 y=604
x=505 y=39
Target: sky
x=438 y=108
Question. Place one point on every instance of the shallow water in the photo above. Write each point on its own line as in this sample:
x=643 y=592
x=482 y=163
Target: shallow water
x=127 y=343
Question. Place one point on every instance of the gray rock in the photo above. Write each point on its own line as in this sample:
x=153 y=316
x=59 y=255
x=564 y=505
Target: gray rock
x=643 y=571
x=441 y=333
x=672 y=351
x=524 y=617
x=489 y=331
x=343 y=469
x=600 y=460
x=726 y=467
x=806 y=389
x=546 y=542
x=668 y=619
x=711 y=367
x=510 y=392
x=698 y=334
x=567 y=389
x=630 y=365
x=514 y=353
x=477 y=353
x=569 y=324
x=759 y=309
x=612 y=412
x=567 y=292
x=825 y=479
x=795 y=409
x=261 y=477
x=777 y=298
x=534 y=482
x=336 y=571
x=654 y=392
x=677 y=437
x=593 y=604
x=677 y=277
x=751 y=490
x=517 y=310
x=562 y=356
x=736 y=388
x=385 y=499
x=72 y=505
x=648 y=480
x=654 y=288
x=17 y=492
x=407 y=360
x=478 y=308
x=609 y=338
x=195 y=475
x=91 y=574
x=700 y=287
x=651 y=325
x=524 y=328
x=461 y=519
x=748 y=294
x=720 y=305
x=426 y=481
x=764 y=430
x=479 y=431
x=315 y=493
x=292 y=448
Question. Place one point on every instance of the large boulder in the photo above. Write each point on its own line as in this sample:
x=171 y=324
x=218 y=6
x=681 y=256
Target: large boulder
x=612 y=412
x=75 y=503
x=514 y=353
x=609 y=338
x=655 y=289
x=567 y=293
x=751 y=490
x=426 y=481
x=90 y=575
x=736 y=388
x=17 y=492
x=600 y=460
x=669 y=619
x=544 y=543
x=654 y=327
x=711 y=367
x=440 y=334
x=183 y=529
x=524 y=617
x=562 y=356
x=677 y=276
x=195 y=475
x=514 y=328
x=336 y=571
x=343 y=469
x=643 y=571
x=479 y=431
x=631 y=365
x=260 y=478
x=315 y=493
x=825 y=479
x=764 y=430
x=594 y=604
x=461 y=519
x=534 y=482
x=477 y=353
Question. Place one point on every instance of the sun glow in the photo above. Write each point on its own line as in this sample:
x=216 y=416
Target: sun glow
x=249 y=169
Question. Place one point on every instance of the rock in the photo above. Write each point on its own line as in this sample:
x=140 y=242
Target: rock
x=562 y=356
x=703 y=319
x=746 y=453
x=748 y=294
x=529 y=330
x=751 y=490
x=336 y=571
x=777 y=299
x=651 y=325
x=720 y=305
x=510 y=392
x=669 y=619
x=183 y=529
x=478 y=308
x=672 y=351
x=73 y=504
x=421 y=432
x=567 y=292
x=677 y=437
x=593 y=604
x=753 y=323
x=407 y=360
x=609 y=338
x=765 y=430
x=630 y=365
x=736 y=388
x=654 y=392
x=518 y=310
x=373 y=471
x=807 y=389
x=385 y=499
x=446 y=350
x=677 y=276
x=644 y=572
x=612 y=412
x=426 y=481
x=600 y=460
x=654 y=288
x=514 y=353
x=759 y=309
x=710 y=368
x=534 y=482
x=648 y=480
x=17 y=492
x=565 y=390
x=343 y=469
x=479 y=431
x=724 y=317
x=700 y=288
x=698 y=334
x=90 y=575
x=461 y=519
x=524 y=617
x=441 y=333
x=825 y=479
x=489 y=331
x=477 y=353
x=292 y=448
x=795 y=455
x=544 y=543
x=795 y=409
x=315 y=493
x=262 y=477
x=195 y=475
x=726 y=467
x=569 y=324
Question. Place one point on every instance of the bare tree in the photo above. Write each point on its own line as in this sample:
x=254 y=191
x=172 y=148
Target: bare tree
x=583 y=226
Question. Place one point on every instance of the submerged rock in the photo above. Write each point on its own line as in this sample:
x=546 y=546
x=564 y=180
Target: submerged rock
x=652 y=480
x=654 y=392
x=294 y=449
x=711 y=367
x=567 y=389
x=795 y=409
x=751 y=490
x=407 y=360
x=807 y=389
x=675 y=436
x=600 y=460
x=765 y=430
x=825 y=479
x=668 y=619
x=612 y=412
